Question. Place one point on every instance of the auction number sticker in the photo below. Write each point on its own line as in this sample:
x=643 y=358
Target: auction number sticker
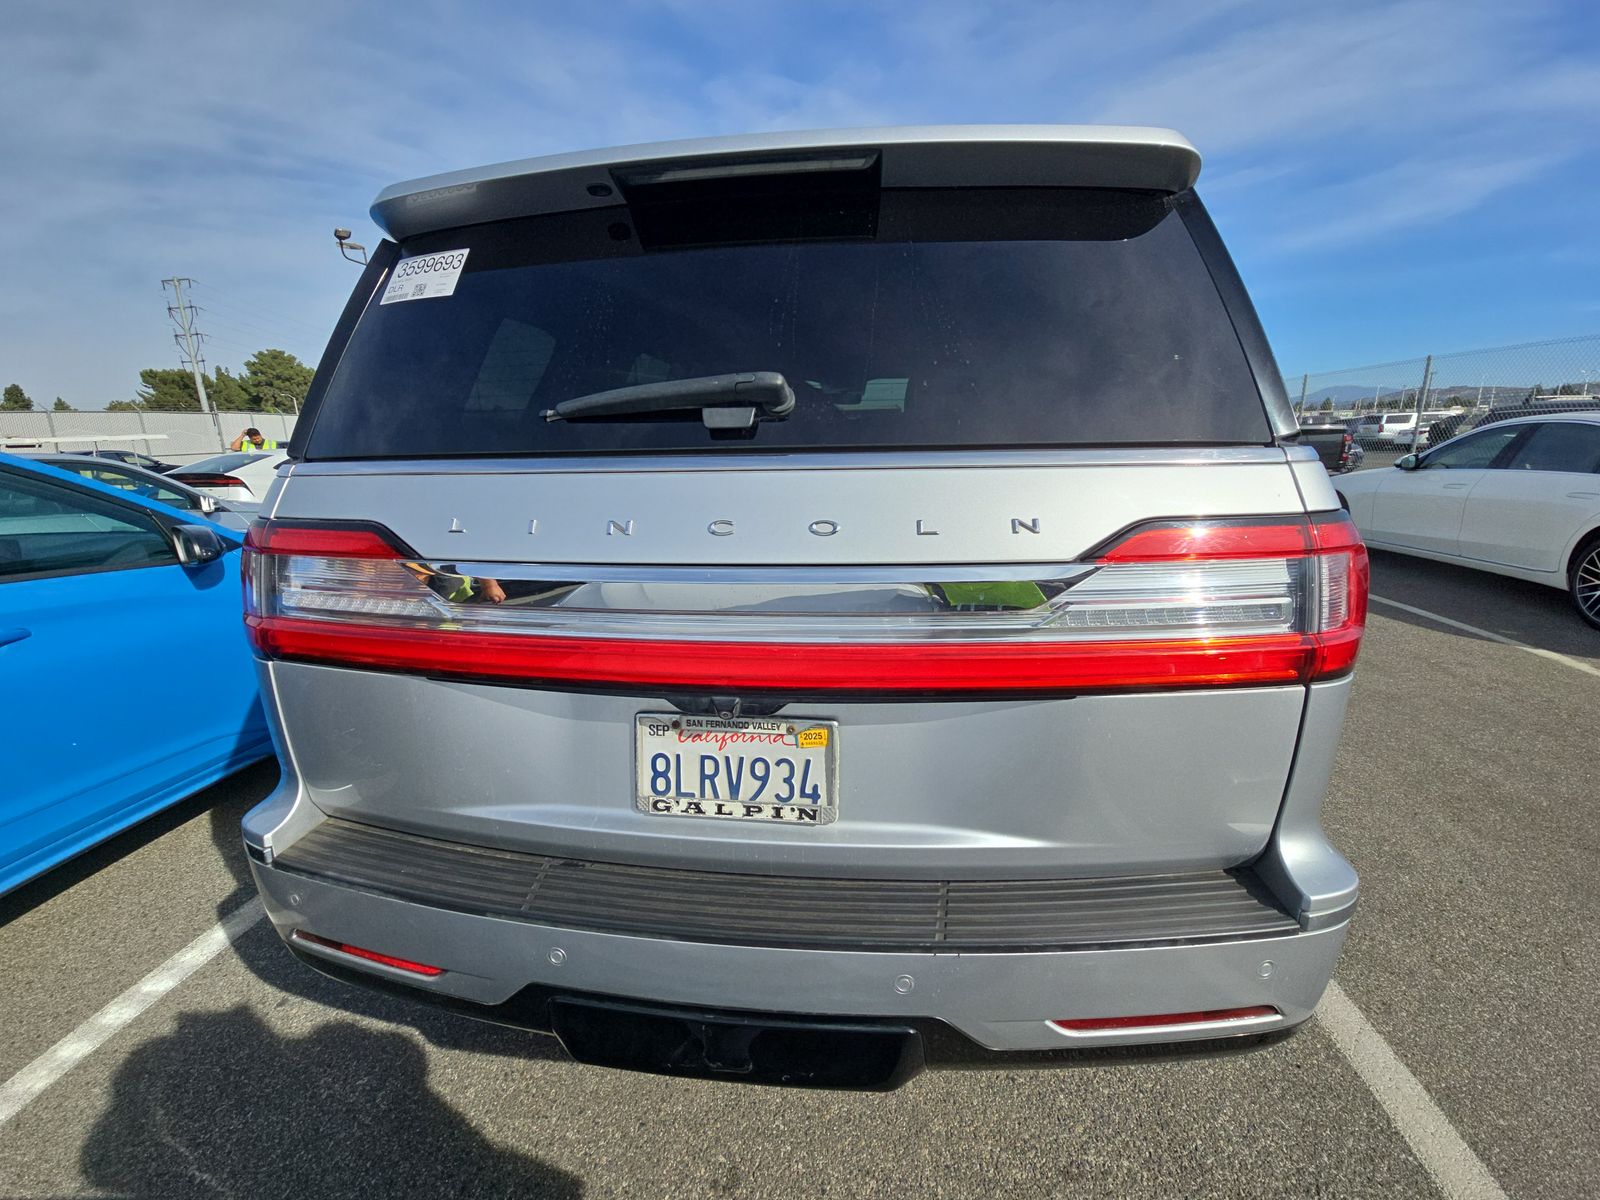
x=425 y=276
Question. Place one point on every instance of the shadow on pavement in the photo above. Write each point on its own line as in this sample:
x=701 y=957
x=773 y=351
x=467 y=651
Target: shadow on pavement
x=225 y=1106
x=1530 y=613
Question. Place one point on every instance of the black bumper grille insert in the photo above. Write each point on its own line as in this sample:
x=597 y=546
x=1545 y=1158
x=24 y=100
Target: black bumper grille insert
x=785 y=911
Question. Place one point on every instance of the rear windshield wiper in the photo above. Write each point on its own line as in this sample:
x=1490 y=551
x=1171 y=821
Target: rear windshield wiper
x=724 y=401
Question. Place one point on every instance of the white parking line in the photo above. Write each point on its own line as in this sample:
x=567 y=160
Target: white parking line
x=27 y=1084
x=1459 y=1172
x=1564 y=660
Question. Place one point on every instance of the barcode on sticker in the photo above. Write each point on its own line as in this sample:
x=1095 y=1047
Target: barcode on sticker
x=425 y=276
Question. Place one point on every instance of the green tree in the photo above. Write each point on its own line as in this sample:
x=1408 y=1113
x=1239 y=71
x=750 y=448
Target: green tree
x=275 y=381
x=124 y=406
x=227 y=391
x=1327 y=405
x=14 y=399
x=166 y=389
x=61 y=406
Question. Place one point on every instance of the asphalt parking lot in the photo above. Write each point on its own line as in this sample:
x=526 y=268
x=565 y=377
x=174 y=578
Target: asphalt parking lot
x=1464 y=794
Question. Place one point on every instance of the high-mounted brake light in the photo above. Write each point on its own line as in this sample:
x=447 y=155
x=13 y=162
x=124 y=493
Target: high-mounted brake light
x=1171 y=604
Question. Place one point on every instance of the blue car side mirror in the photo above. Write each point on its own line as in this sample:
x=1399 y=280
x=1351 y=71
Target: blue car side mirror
x=197 y=544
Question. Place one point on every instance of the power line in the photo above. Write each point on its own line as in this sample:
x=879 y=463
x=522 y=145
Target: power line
x=247 y=310
x=189 y=339
x=250 y=329
x=246 y=351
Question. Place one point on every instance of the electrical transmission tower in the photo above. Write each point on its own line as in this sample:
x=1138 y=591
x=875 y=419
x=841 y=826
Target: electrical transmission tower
x=188 y=339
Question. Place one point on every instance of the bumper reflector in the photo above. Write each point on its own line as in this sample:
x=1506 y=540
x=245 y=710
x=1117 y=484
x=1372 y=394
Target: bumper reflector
x=387 y=960
x=1211 y=1016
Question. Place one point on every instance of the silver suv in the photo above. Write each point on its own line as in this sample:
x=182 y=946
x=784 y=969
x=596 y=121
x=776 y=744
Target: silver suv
x=787 y=608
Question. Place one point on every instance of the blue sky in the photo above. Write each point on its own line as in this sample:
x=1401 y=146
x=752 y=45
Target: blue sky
x=1393 y=178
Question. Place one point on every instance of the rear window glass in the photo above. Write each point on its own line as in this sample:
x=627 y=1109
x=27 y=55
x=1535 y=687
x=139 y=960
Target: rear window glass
x=1012 y=317
x=219 y=464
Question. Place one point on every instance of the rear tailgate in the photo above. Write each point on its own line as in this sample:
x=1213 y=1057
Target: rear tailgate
x=1022 y=558
x=964 y=784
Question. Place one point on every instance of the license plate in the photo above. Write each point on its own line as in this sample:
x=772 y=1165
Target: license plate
x=767 y=769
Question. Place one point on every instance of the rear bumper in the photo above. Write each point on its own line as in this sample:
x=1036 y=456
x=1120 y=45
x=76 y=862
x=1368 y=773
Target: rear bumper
x=505 y=963
x=1001 y=1001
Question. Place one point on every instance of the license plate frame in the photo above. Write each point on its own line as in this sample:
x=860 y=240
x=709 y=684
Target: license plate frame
x=685 y=739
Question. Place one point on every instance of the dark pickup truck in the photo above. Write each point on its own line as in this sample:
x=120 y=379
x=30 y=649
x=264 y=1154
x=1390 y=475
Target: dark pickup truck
x=1335 y=446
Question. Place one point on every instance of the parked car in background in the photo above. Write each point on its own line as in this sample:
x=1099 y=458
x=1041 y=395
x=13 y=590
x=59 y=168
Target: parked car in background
x=1334 y=443
x=1396 y=427
x=1519 y=498
x=237 y=475
x=1366 y=427
x=133 y=458
x=234 y=514
x=874 y=705
x=99 y=590
x=1512 y=412
x=1446 y=427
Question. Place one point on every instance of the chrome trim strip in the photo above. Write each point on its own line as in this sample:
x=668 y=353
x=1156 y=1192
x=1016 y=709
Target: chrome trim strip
x=863 y=460
x=913 y=575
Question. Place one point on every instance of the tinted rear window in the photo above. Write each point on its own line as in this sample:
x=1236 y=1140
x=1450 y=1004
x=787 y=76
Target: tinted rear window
x=1016 y=317
x=219 y=464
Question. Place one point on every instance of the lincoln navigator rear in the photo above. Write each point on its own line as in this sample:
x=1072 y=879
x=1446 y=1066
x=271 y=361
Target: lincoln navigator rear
x=792 y=608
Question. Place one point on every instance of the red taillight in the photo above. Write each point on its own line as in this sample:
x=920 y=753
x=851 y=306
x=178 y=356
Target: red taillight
x=1171 y=541
x=1210 y=1016
x=388 y=960
x=204 y=480
x=323 y=541
x=809 y=667
x=1174 y=604
x=1345 y=574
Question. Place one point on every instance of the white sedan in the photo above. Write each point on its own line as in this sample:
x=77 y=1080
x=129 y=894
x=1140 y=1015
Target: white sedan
x=1519 y=498
x=243 y=475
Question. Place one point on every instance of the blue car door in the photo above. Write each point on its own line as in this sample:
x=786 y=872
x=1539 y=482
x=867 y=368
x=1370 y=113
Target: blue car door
x=96 y=611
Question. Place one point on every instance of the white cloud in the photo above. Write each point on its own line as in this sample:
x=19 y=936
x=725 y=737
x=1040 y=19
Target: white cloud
x=224 y=142
x=1420 y=192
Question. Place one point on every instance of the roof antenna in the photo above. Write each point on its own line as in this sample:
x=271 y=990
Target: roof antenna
x=346 y=247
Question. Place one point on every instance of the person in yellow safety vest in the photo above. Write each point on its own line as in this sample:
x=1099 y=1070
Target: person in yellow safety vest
x=483 y=586
x=255 y=440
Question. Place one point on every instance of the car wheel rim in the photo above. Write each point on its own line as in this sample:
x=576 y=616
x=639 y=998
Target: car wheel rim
x=1586 y=585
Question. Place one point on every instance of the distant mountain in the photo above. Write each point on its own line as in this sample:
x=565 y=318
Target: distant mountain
x=1339 y=393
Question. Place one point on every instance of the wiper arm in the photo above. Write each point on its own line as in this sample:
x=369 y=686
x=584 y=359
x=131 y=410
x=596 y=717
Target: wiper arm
x=724 y=401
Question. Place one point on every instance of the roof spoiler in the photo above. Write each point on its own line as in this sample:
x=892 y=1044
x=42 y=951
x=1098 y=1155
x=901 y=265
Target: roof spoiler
x=1158 y=160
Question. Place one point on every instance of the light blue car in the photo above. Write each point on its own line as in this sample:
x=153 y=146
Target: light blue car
x=102 y=594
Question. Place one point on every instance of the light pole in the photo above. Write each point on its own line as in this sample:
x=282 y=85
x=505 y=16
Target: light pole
x=290 y=396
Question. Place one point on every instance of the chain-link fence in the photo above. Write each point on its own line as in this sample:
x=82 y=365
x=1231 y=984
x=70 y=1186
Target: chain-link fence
x=173 y=437
x=1396 y=408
